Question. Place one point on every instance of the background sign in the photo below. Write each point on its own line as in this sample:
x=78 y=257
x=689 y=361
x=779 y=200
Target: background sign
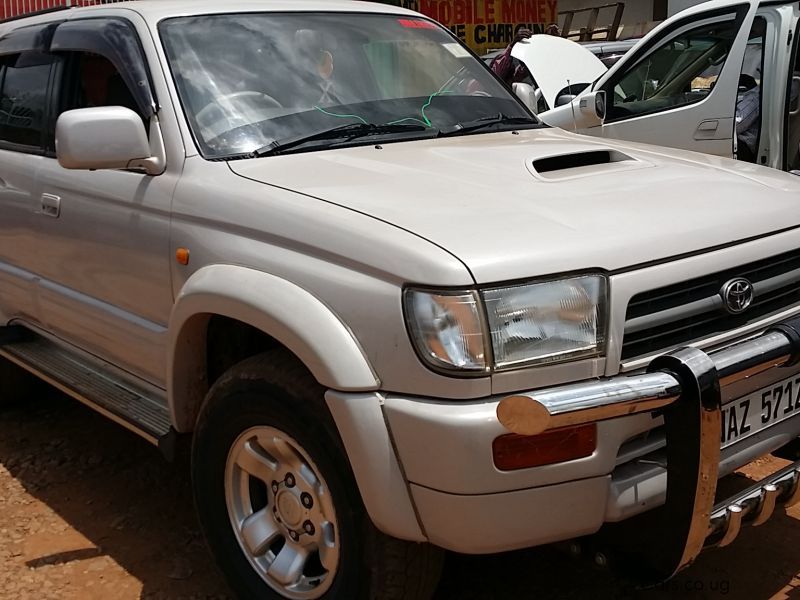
x=487 y=24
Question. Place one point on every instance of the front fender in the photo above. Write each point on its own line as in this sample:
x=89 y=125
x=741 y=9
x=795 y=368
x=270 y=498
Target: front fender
x=279 y=308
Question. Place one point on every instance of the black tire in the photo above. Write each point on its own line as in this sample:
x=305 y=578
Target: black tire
x=17 y=385
x=275 y=390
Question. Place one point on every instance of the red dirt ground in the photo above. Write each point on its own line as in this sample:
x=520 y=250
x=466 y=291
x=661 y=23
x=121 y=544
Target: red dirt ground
x=89 y=511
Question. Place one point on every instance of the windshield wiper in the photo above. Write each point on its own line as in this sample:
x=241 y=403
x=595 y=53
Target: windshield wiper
x=498 y=119
x=350 y=131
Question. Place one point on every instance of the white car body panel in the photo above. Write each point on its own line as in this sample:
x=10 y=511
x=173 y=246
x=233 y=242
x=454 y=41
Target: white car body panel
x=442 y=189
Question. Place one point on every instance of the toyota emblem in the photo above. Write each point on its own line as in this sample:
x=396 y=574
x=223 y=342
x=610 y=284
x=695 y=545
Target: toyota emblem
x=737 y=295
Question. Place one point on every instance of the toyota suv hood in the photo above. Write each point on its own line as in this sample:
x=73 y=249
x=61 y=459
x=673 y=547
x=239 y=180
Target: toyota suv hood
x=514 y=205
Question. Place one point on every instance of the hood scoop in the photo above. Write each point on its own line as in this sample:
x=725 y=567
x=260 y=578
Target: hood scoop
x=582 y=164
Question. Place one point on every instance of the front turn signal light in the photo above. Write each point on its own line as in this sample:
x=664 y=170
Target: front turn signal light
x=512 y=451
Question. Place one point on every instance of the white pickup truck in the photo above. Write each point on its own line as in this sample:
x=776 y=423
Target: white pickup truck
x=722 y=77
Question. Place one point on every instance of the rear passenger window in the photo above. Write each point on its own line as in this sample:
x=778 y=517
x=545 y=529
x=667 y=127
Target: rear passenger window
x=23 y=98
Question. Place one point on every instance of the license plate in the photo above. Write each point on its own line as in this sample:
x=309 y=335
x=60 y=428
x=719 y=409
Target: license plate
x=757 y=411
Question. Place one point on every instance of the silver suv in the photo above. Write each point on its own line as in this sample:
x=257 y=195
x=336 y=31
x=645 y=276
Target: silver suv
x=392 y=311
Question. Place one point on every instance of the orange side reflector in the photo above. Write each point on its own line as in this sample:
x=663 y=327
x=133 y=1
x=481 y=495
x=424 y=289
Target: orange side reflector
x=182 y=256
x=513 y=451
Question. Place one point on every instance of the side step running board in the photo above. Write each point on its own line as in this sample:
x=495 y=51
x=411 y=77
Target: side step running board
x=13 y=334
x=99 y=390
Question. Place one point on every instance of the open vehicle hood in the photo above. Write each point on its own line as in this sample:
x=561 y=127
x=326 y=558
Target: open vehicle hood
x=554 y=61
x=513 y=206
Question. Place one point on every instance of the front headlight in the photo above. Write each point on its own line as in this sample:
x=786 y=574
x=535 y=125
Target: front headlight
x=547 y=322
x=447 y=329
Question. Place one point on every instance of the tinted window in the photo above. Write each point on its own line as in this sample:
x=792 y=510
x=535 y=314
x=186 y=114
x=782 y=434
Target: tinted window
x=680 y=72
x=23 y=109
x=93 y=80
x=88 y=80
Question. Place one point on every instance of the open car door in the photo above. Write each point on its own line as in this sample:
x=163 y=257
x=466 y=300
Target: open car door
x=678 y=86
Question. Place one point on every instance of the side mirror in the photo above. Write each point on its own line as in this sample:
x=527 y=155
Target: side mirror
x=583 y=112
x=528 y=94
x=592 y=107
x=564 y=99
x=105 y=137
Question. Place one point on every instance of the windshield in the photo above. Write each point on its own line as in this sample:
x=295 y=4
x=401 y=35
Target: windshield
x=250 y=80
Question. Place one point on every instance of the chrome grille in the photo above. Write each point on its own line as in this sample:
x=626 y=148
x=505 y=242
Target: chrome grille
x=664 y=318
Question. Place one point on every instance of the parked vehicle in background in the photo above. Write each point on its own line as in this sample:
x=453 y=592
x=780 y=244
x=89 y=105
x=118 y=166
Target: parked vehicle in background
x=392 y=312
x=722 y=78
x=610 y=52
x=560 y=69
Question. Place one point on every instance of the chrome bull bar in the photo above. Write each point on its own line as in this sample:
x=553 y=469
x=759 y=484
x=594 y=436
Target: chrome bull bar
x=753 y=506
x=684 y=386
x=534 y=412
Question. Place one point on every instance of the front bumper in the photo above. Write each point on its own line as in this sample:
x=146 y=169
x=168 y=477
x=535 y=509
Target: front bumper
x=686 y=386
x=489 y=523
x=465 y=504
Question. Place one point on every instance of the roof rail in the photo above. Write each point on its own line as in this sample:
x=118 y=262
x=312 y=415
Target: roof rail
x=43 y=11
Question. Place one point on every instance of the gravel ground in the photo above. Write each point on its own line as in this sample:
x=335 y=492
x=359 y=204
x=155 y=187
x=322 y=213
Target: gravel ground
x=90 y=511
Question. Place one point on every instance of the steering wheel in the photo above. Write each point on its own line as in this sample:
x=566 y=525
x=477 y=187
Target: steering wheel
x=207 y=111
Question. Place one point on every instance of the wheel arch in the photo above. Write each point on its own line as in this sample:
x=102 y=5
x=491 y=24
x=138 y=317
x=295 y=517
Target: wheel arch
x=290 y=315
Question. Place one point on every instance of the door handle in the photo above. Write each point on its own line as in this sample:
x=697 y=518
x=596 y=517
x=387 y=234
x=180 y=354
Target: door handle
x=707 y=130
x=51 y=205
x=710 y=125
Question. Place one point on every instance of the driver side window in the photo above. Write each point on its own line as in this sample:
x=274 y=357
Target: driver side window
x=93 y=80
x=682 y=71
x=90 y=80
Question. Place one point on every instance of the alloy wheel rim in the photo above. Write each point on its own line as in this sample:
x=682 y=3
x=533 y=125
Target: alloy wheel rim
x=281 y=512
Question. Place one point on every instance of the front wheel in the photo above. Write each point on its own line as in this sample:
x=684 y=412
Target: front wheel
x=278 y=502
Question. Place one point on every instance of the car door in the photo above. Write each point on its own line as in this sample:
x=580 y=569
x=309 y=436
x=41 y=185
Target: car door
x=104 y=254
x=790 y=130
x=25 y=76
x=679 y=86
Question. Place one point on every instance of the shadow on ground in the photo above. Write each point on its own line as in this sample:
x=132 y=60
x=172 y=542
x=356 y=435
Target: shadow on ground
x=95 y=512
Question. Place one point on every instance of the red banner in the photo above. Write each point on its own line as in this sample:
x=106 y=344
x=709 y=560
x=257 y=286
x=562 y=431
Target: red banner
x=487 y=24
